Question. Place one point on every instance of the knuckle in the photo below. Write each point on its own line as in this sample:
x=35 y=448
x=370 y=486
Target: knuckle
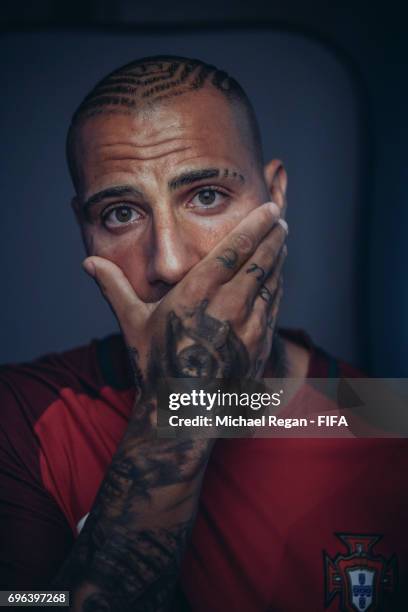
x=228 y=258
x=243 y=242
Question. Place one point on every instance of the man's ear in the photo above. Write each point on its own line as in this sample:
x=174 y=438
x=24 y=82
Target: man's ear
x=276 y=180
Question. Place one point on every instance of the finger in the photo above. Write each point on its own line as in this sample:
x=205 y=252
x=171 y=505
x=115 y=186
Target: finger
x=269 y=323
x=223 y=262
x=268 y=289
x=274 y=309
x=247 y=282
x=116 y=289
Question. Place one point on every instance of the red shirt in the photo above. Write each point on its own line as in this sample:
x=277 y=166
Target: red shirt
x=283 y=524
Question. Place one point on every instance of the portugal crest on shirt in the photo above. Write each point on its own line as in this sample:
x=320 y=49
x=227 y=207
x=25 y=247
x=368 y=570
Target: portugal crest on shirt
x=360 y=578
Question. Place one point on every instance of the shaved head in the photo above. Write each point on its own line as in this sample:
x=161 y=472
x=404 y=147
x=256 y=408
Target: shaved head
x=149 y=81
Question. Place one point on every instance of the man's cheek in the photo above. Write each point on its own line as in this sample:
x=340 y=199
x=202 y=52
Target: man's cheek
x=96 y=243
x=111 y=246
x=134 y=266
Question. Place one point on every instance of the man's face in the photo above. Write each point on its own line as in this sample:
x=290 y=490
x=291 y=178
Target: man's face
x=159 y=189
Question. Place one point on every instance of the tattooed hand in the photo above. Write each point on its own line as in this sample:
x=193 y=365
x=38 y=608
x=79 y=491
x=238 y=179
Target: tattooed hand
x=219 y=320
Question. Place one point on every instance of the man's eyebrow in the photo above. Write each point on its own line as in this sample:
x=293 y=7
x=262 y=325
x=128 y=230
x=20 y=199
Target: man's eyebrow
x=186 y=178
x=111 y=192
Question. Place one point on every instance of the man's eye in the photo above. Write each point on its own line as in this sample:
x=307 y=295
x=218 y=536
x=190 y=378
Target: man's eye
x=119 y=216
x=208 y=198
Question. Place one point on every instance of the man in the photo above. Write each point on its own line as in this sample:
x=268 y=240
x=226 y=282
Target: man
x=186 y=239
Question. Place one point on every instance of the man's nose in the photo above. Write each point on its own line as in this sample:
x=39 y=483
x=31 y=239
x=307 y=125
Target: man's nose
x=171 y=255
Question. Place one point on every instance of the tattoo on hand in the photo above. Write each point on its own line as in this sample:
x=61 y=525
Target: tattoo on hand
x=198 y=345
x=229 y=259
x=255 y=268
x=266 y=295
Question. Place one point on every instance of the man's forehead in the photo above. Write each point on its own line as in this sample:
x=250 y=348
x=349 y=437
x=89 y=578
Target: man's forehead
x=199 y=116
x=193 y=132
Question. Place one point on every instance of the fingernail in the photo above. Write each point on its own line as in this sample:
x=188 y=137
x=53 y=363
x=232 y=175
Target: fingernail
x=283 y=223
x=89 y=267
x=274 y=208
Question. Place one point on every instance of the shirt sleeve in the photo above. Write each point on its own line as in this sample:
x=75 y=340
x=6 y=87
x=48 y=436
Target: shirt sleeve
x=35 y=537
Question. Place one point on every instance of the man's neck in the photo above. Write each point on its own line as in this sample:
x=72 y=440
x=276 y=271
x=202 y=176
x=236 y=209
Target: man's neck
x=287 y=360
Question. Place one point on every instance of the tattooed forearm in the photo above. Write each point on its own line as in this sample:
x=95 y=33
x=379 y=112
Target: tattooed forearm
x=128 y=554
x=137 y=373
x=156 y=556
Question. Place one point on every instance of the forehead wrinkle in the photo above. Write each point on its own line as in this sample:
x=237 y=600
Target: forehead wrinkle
x=145 y=157
x=144 y=146
x=122 y=151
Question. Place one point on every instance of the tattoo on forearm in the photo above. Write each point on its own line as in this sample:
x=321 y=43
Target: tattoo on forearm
x=126 y=558
x=137 y=373
x=130 y=562
x=133 y=570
